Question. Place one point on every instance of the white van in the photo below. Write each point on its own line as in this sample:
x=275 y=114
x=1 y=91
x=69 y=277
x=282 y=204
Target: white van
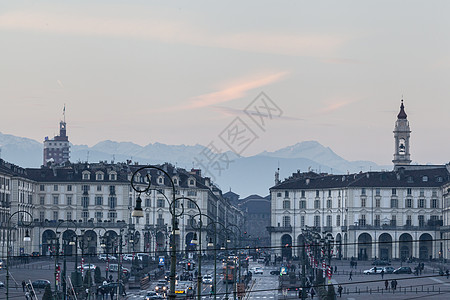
x=141 y=256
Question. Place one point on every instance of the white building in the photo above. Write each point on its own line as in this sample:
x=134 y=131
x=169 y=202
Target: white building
x=387 y=215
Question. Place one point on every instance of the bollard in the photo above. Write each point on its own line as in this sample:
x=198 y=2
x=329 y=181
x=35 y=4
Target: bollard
x=371 y=291
x=359 y=291
x=367 y=289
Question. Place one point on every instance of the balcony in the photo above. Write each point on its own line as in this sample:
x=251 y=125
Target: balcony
x=271 y=229
x=398 y=228
x=89 y=224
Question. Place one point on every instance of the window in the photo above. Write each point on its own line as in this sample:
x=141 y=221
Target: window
x=317 y=193
x=98 y=200
x=302 y=221
x=278 y=194
x=99 y=188
x=286 y=221
x=394 y=203
x=362 y=221
x=192 y=193
x=112 y=215
x=69 y=200
x=55 y=200
x=339 y=202
x=421 y=203
x=85 y=215
x=30 y=199
x=421 y=220
x=338 y=220
x=409 y=191
x=99 y=215
x=363 y=191
x=55 y=215
x=286 y=204
x=363 y=202
x=112 y=189
x=191 y=182
x=85 y=176
x=41 y=216
x=303 y=194
x=85 y=202
x=69 y=188
x=377 y=192
x=160 y=180
x=434 y=194
x=160 y=202
x=41 y=200
x=286 y=194
x=393 y=220
x=329 y=221
x=55 y=188
x=394 y=192
x=42 y=188
x=302 y=204
x=191 y=204
x=434 y=203
x=85 y=189
x=422 y=192
x=160 y=220
x=408 y=203
x=316 y=221
x=69 y=215
x=329 y=193
x=112 y=201
x=147 y=218
x=99 y=176
x=408 y=220
x=425 y=178
x=329 y=204
x=377 y=221
x=112 y=176
x=316 y=204
x=147 y=202
x=377 y=202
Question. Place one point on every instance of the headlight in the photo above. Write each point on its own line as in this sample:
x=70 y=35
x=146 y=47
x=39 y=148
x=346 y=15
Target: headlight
x=156 y=288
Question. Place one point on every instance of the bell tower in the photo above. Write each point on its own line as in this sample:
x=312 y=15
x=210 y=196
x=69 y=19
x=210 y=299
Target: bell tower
x=401 y=136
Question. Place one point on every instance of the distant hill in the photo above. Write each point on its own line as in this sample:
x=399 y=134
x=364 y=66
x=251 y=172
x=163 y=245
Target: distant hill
x=244 y=175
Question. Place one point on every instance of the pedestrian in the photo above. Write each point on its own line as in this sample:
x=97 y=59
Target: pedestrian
x=23 y=285
x=392 y=284
x=335 y=269
x=350 y=275
x=447 y=273
x=382 y=273
x=386 y=284
x=340 y=291
x=111 y=293
x=395 y=284
x=312 y=293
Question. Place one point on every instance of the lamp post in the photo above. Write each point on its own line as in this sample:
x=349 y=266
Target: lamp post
x=26 y=238
x=215 y=251
x=138 y=212
x=70 y=243
x=236 y=248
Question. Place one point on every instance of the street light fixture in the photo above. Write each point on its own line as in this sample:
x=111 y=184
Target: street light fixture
x=26 y=238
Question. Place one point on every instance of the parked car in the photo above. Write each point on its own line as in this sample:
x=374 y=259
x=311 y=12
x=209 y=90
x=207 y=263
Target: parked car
x=207 y=279
x=87 y=267
x=128 y=257
x=380 y=262
x=2 y=284
x=35 y=254
x=104 y=257
x=403 y=270
x=275 y=272
x=257 y=270
x=40 y=283
x=111 y=286
x=388 y=270
x=373 y=270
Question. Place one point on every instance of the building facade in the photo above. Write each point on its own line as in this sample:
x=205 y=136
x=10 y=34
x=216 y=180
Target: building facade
x=387 y=215
x=57 y=150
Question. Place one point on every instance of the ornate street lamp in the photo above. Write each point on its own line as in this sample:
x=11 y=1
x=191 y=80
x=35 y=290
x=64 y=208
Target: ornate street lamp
x=26 y=238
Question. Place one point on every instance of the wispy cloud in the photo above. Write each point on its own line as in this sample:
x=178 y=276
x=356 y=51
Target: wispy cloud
x=155 y=27
x=337 y=103
x=235 y=90
x=228 y=111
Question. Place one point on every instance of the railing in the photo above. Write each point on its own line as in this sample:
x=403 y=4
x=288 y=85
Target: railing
x=391 y=227
x=279 y=229
x=89 y=224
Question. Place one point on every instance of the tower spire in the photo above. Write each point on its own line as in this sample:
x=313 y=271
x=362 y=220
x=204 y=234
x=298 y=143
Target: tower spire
x=402 y=114
x=401 y=137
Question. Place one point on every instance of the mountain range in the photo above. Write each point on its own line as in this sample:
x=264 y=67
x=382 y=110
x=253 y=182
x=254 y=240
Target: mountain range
x=243 y=175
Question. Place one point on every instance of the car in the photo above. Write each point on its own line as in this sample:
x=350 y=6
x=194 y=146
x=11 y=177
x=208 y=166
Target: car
x=153 y=295
x=161 y=287
x=105 y=257
x=373 y=270
x=207 y=279
x=40 y=283
x=2 y=284
x=403 y=270
x=257 y=270
x=379 y=262
x=388 y=270
x=128 y=257
x=35 y=254
x=87 y=267
x=1 y=264
x=115 y=268
x=275 y=272
x=108 y=287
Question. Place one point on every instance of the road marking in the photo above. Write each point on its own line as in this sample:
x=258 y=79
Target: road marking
x=440 y=281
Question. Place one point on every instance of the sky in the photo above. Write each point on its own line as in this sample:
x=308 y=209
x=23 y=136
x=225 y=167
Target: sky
x=182 y=72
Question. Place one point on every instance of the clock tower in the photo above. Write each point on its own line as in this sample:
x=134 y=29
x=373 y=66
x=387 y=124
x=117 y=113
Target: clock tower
x=401 y=137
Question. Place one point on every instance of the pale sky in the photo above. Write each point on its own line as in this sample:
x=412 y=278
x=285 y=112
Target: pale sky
x=179 y=72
